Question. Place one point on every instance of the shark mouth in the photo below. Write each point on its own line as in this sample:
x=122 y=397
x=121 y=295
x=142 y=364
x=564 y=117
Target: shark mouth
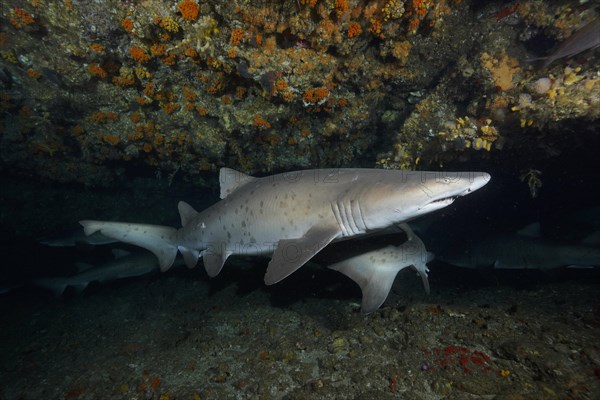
x=439 y=203
x=444 y=200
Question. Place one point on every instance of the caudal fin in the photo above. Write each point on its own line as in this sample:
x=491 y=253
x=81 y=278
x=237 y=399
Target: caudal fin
x=375 y=279
x=160 y=240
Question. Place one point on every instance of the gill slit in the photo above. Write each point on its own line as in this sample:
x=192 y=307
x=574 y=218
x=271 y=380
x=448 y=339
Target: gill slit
x=349 y=217
x=358 y=216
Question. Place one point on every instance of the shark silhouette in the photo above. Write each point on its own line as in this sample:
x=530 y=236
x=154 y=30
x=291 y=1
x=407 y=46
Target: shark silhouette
x=293 y=215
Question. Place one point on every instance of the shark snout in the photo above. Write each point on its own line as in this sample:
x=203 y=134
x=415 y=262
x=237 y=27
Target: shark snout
x=480 y=179
x=461 y=186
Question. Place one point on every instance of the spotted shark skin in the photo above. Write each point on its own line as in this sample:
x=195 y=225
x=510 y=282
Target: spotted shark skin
x=293 y=215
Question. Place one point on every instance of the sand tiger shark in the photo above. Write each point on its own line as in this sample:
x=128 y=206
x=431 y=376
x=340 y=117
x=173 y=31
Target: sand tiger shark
x=525 y=249
x=292 y=215
x=375 y=270
x=75 y=238
x=123 y=265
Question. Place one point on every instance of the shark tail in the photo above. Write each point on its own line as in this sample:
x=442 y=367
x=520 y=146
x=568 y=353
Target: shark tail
x=375 y=278
x=160 y=240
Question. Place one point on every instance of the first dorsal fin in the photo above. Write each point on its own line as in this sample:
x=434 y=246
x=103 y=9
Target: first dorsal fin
x=186 y=212
x=231 y=180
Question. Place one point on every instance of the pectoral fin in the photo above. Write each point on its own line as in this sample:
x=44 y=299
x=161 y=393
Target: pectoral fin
x=291 y=254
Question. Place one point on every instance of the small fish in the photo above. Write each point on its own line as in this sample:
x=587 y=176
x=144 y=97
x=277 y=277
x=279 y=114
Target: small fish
x=585 y=38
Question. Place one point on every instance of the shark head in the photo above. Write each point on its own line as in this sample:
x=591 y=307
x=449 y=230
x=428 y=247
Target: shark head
x=414 y=193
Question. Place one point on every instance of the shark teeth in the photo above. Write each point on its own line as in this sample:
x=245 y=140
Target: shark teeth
x=446 y=200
